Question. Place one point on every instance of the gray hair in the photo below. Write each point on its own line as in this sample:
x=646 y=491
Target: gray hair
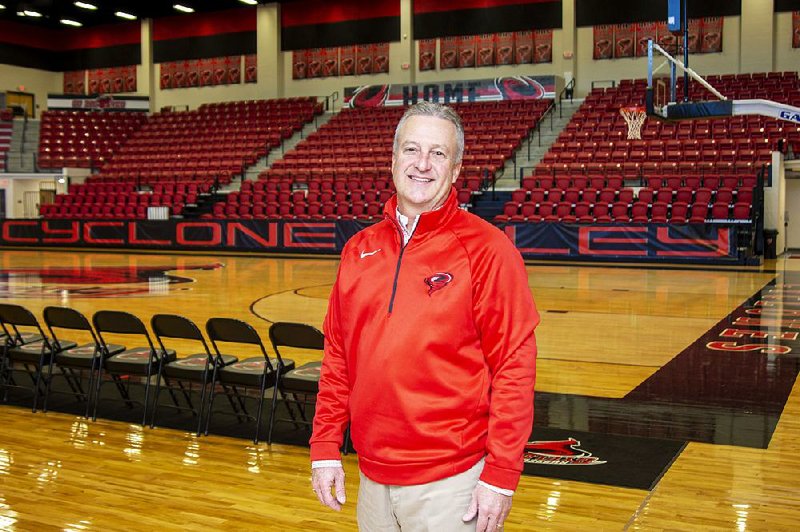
x=436 y=110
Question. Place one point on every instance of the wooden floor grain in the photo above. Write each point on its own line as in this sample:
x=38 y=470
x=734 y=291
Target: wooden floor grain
x=604 y=330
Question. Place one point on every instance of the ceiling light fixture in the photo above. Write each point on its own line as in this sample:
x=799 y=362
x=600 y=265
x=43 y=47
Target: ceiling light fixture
x=69 y=22
x=249 y=2
x=183 y=8
x=85 y=5
x=122 y=14
x=29 y=13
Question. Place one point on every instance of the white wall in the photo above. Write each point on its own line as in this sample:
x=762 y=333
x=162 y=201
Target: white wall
x=37 y=82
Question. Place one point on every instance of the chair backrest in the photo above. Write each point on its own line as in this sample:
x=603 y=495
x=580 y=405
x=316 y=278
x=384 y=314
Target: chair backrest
x=174 y=326
x=18 y=316
x=119 y=322
x=66 y=318
x=232 y=330
x=288 y=334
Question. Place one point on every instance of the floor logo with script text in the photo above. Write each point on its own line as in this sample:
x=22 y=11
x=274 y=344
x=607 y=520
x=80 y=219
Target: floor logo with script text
x=99 y=281
x=559 y=452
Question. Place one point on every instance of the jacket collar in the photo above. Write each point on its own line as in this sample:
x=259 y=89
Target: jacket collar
x=430 y=220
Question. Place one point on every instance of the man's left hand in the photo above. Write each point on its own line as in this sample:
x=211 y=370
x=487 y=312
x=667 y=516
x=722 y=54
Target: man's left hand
x=491 y=508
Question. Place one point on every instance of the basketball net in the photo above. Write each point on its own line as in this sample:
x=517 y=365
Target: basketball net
x=634 y=116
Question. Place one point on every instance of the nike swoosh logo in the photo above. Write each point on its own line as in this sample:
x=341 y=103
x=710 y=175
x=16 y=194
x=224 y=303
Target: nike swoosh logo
x=369 y=253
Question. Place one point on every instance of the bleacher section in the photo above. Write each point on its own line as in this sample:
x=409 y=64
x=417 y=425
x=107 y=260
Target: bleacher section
x=84 y=139
x=692 y=171
x=343 y=170
x=6 y=128
x=175 y=156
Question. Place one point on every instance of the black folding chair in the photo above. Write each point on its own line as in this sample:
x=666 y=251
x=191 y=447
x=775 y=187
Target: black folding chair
x=144 y=362
x=73 y=363
x=201 y=368
x=35 y=356
x=254 y=372
x=301 y=384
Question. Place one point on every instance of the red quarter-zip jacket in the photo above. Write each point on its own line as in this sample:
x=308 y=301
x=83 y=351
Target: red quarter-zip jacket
x=430 y=351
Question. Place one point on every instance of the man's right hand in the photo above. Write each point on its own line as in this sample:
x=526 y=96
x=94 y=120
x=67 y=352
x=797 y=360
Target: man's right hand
x=325 y=479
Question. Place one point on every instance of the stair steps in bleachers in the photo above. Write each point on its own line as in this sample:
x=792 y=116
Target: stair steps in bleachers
x=205 y=203
x=24 y=143
x=538 y=144
x=263 y=164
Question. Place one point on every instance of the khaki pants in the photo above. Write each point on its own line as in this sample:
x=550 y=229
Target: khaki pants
x=434 y=507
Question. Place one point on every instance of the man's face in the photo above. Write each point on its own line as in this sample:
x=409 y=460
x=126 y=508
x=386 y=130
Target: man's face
x=424 y=167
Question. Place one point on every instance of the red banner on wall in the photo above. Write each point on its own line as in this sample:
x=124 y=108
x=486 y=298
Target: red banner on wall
x=330 y=62
x=603 y=42
x=543 y=46
x=347 y=60
x=486 y=47
x=74 y=82
x=466 y=51
x=645 y=31
x=314 y=63
x=523 y=47
x=795 y=29
x=299 y=64
x=427 y=54
x=624 y=40
x=711 y=35
x=363 y=59
x=448 y=52
x=695 y=29
x=666 y=39
x=380 y=58
x=251 y=68
x=504 y=49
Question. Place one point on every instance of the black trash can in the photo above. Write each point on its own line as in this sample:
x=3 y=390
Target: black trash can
x=770 y=243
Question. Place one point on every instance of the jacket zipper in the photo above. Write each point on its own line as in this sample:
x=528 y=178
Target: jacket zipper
x=397 y=268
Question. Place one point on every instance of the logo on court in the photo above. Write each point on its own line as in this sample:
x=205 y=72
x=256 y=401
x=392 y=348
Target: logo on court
x=559 y=452
x=437 y=281
x=101 y=281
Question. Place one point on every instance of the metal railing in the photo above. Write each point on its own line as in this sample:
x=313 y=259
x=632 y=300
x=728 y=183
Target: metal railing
x=567 y=92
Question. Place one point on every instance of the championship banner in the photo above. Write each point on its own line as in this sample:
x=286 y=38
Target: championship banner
x=74 y=82
x=427 y=54
x=624 y=39
x=666 y=39
x=235 y=70
x=645 y=31
x=207 y=68
x=543 y=46
x=380 y=58
x=523 y=47
x=314 y=63
x=448 y=52
x=130 y=78
x=347 y=60
x=711 y=35
x=486 y=43
x=94 y=81
x=250 y=68
x=477 y=90
x=603 y=42
x=167 y=70
x=363 y=59
x=695 y=29
x=504 y=50
x=195 y=68
x=466 y=51
x=330 y=62
x=795 y=29
x=299 y=63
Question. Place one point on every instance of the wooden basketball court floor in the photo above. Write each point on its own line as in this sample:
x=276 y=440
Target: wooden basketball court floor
x=605 y=330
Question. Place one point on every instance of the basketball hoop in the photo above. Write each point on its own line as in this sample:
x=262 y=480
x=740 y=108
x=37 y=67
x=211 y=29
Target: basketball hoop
x=634 y=115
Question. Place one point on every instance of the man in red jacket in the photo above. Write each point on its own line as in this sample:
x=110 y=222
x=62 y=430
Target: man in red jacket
x=430 y=352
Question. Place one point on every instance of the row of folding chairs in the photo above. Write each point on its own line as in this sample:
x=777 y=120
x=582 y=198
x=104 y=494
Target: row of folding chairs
x=33 y=355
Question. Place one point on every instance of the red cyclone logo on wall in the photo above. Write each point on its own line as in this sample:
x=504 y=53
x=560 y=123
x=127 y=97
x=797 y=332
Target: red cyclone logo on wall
x=559 y=452
x=519 y=88
x=369 y=96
